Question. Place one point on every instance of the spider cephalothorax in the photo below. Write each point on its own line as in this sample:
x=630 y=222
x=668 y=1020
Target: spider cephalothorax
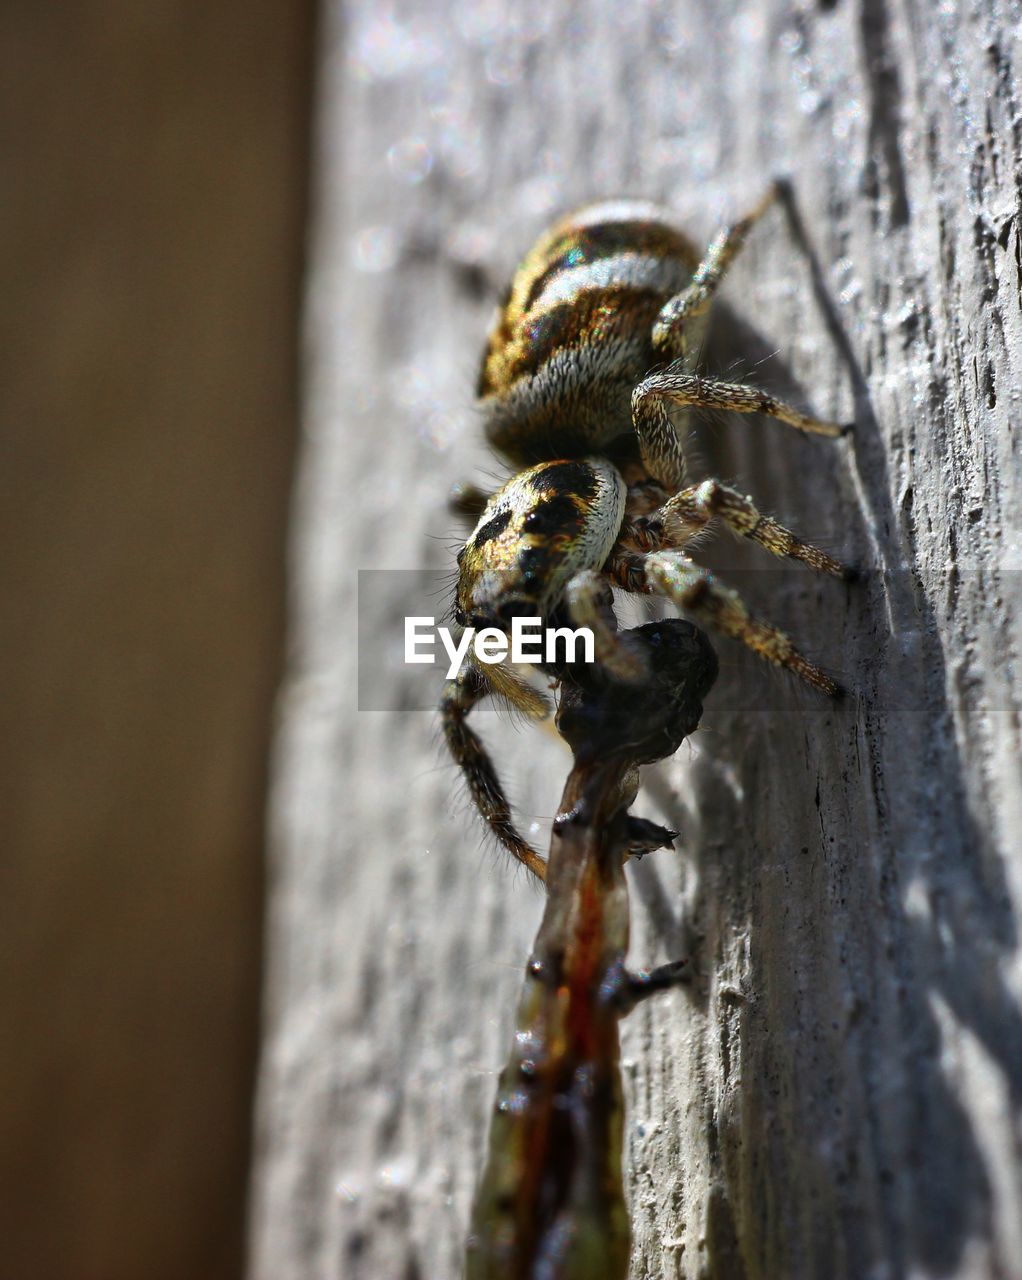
x=534 y=535
x=602 y=299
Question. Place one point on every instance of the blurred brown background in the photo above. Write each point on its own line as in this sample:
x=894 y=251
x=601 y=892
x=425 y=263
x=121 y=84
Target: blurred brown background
x=155 y=176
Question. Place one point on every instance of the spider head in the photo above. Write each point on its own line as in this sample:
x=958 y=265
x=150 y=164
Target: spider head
x=545 y=525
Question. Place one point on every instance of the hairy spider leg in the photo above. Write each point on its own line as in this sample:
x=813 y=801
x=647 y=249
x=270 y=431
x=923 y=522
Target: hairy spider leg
x=673 y=575
x=651 y=396
x=677 y=333
x=688 y=513
x=466 y=747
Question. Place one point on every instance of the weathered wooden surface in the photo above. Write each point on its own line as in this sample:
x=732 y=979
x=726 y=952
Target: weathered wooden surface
x=840 y=1094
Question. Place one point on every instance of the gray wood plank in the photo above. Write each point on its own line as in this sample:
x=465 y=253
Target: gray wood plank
x=839 y=1095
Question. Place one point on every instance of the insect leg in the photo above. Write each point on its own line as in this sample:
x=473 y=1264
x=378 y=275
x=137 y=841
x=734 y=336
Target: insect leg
x=646 y=837
x=631 y=988
x=694 y=589
x=459 y=697
x=647 y=982
x=669 y=332
x=687 y=513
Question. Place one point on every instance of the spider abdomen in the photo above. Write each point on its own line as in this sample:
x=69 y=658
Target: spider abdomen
x=575 y=335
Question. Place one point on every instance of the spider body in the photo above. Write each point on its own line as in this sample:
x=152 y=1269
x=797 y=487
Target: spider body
x=593 y=352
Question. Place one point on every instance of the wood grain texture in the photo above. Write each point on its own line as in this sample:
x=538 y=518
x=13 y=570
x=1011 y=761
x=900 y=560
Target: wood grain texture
x=840 y=1093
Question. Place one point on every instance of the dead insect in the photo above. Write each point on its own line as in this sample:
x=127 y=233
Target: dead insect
x=566 y=387
x=551 y=1200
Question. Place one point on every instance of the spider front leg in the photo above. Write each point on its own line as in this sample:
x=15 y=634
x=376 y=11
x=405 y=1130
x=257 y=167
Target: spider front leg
x=673 y=575
x=590 y=603
x=688 y=513
x=459 y=697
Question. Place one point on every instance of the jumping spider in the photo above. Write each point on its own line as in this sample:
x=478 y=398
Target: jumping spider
x=567 y=391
